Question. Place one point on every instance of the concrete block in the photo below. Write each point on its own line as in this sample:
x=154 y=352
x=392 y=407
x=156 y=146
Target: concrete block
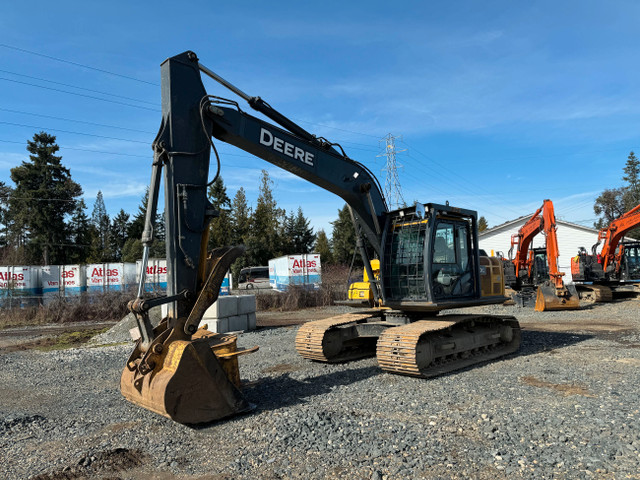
x=251 y=321
x=215 y=325
x=238 y=323
x=226 y=306
x=246 y=304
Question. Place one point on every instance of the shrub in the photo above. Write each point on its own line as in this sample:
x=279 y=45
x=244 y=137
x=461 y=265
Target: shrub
x=333 y=287
x=98 y=307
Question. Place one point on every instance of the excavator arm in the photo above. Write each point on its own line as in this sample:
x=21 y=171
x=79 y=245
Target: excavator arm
x=612 y=235
x=194 y=116
x=176 y=370
x=522 y=242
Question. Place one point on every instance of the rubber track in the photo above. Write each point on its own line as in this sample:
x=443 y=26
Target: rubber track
x=311 y=334
x=397 y=346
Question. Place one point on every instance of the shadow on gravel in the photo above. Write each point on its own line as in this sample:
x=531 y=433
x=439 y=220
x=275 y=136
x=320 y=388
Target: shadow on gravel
x=536 y=342
x=271 y=393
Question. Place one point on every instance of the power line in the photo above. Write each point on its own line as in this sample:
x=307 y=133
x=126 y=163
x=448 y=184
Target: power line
x=75 y=133
x=75 y=121
x=80 y=94
x=62 y=147
x=79 y=88
x=76 y=64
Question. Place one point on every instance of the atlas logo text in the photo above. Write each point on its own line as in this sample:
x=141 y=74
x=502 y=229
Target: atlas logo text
x=279 y=145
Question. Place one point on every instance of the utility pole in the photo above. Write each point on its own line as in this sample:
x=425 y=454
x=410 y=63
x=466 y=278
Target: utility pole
x=392 y=189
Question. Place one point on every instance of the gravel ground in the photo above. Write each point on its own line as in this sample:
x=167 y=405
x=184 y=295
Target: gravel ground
x=565 y=406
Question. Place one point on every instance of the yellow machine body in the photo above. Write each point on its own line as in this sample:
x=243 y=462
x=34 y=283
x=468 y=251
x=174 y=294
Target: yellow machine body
x=491 y=277
x=361 y=291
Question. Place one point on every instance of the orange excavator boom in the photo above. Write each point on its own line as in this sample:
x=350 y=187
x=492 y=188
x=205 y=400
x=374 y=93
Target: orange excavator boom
x=612 y=236
x=552 y=294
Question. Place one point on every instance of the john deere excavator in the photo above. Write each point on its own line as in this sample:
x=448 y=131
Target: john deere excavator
x=617 y=267
x=533 y=272
x=428 y=255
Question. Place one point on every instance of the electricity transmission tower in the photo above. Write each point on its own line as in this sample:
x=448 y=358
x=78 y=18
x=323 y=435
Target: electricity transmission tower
x=392 y=189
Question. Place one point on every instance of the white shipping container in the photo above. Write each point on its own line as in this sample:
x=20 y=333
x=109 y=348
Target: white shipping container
x=19 y=285
x=156 y=277
x=299 y=269
x=62 y=280
x=110 y=276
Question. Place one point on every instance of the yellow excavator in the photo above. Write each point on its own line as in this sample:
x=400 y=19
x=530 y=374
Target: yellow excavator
x=429 y=261
x=360 y=294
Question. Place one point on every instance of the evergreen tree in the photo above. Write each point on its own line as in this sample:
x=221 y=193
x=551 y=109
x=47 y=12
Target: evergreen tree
x=136 y=227
x=631 y=196
x=323 y=248
x=610 y=205
x=482 y=224
x=101 y=244
x=132 y=250
x=5 y=194
x=240 y=218
x=118 y=234
x=240 y=228
x=343 y=238
x=302 y=237
x=264 y=240
x=44 y=195
x=220 y=228
x=81 y=234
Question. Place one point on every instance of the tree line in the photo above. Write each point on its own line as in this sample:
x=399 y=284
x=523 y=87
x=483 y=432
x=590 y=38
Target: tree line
x=614 y=202
x=44 y=221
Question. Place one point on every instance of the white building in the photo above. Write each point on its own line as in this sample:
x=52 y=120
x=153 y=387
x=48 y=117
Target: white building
x=570 y=238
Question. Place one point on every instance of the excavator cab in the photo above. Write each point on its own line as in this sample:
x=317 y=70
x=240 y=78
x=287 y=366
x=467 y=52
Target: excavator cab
x=630 y=262
x=539 y=266
x=430 y=260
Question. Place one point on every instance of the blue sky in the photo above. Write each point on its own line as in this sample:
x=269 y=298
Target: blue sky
x=499 y=104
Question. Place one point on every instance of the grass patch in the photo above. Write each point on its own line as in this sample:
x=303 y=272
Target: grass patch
x=69 y=339
x=101 y=307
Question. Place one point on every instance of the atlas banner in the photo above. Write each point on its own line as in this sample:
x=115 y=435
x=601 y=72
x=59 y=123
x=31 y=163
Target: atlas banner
x=300 y=269
x=62 y=280
x=20 y=285
x=110 y=276
x=156 y=274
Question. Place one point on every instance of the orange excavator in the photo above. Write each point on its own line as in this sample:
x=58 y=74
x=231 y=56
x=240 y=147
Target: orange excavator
x=536 y=269
x=617 y=267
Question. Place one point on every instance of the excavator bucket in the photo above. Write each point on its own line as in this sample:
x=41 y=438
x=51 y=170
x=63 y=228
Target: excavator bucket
x=549 y=297
x=189 y=378
x=190 y=383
